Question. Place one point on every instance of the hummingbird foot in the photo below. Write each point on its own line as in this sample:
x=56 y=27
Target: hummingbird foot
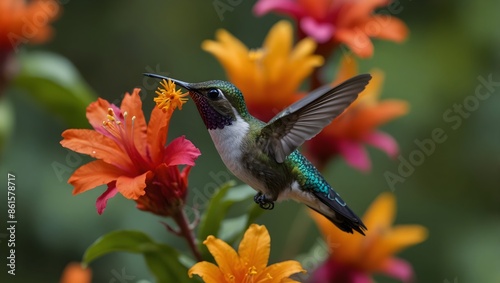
x=263 y=201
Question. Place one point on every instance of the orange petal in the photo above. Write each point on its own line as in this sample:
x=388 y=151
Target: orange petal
x=280 y=271
x=368 y=118
x=344 y=247
x=133 y=187
x=348 y=69
x=157 y=133
x=380 y=215
x=360 y=11
x=356 y=40
x=93 y=174
x=208 y=271
x=392 y=28
x=300 y=65
x=255 y=247
x=97 y=112
x=231 y=53
x=277 y=47
x=395 y=240
x=225 y=256
x=372 y=91
x=96 y=145
x=132 y=104
x=76 y=273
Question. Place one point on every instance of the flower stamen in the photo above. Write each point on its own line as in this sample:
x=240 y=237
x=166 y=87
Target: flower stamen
x=117 y=126
x=168 y=97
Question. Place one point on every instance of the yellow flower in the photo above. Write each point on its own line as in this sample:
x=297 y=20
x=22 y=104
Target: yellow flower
x=358 y=254
x=269 y=77
x=169 y=98
x=249 y=264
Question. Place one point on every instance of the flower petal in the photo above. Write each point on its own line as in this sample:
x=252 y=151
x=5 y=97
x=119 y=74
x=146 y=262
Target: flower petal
x=277 y=46
x=255 y=247
x=370 y=95
x=133 y=187
x=208 y=271
x=96 y=145
x=282 y=270
x=384 y=142
x=360 y=11
x=369 y=118
x=93 y=174
x=348 y=69
x=395 y=240
x=102 y=200
x=97 y=112
x=355 y=154
x=300 y=65
x=226 y=257
x=398 y=269
x=157 y=133
x=280 y=6
x=320 y=31
x=356 y=40
x=392 y=28
x=132 y=105
x=74 y=272
x=181 y=151
x=233 y=56
x=380 y=215
x=344 y=247
x=333 y=270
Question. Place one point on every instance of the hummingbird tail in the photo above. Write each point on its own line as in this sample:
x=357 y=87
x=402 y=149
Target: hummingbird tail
x=339 y=213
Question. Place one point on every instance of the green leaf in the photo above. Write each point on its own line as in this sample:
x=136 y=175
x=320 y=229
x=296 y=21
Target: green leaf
x=54 y=82
x=6 y=121
x=162 y=260
x=215 y=222
x=213 y=216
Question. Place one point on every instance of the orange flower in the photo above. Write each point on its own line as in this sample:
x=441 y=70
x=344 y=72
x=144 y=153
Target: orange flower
x=357 y=126
x=75 y=273
x=249 y=264
x=132 y=156
x=21 y=22
x=355 y=257
x=269 y=77
x=351 y=22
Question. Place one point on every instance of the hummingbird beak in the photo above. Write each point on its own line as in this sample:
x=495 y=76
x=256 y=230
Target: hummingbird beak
x=177 y=82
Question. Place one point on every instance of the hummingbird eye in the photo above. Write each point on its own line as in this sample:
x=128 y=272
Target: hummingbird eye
x=214 y=93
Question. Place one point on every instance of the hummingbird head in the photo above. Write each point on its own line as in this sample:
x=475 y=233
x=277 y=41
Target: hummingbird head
x=219 y=102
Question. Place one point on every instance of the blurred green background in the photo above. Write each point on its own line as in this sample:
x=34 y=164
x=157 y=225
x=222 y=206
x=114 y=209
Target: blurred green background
x=455 y=191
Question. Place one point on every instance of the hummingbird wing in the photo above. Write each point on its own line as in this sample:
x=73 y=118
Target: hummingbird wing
x=307 y=117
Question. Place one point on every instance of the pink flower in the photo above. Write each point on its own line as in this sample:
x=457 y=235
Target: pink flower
x=351 y=22
x=357 y=126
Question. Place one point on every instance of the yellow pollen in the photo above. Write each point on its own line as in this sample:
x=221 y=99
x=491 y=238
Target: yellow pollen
x=168 y=97
x=252 y=270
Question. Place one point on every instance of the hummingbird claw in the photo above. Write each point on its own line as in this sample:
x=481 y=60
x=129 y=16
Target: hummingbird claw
x=263 y=201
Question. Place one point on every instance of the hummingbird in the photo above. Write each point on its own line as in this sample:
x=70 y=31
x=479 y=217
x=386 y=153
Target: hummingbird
x=265 y=155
